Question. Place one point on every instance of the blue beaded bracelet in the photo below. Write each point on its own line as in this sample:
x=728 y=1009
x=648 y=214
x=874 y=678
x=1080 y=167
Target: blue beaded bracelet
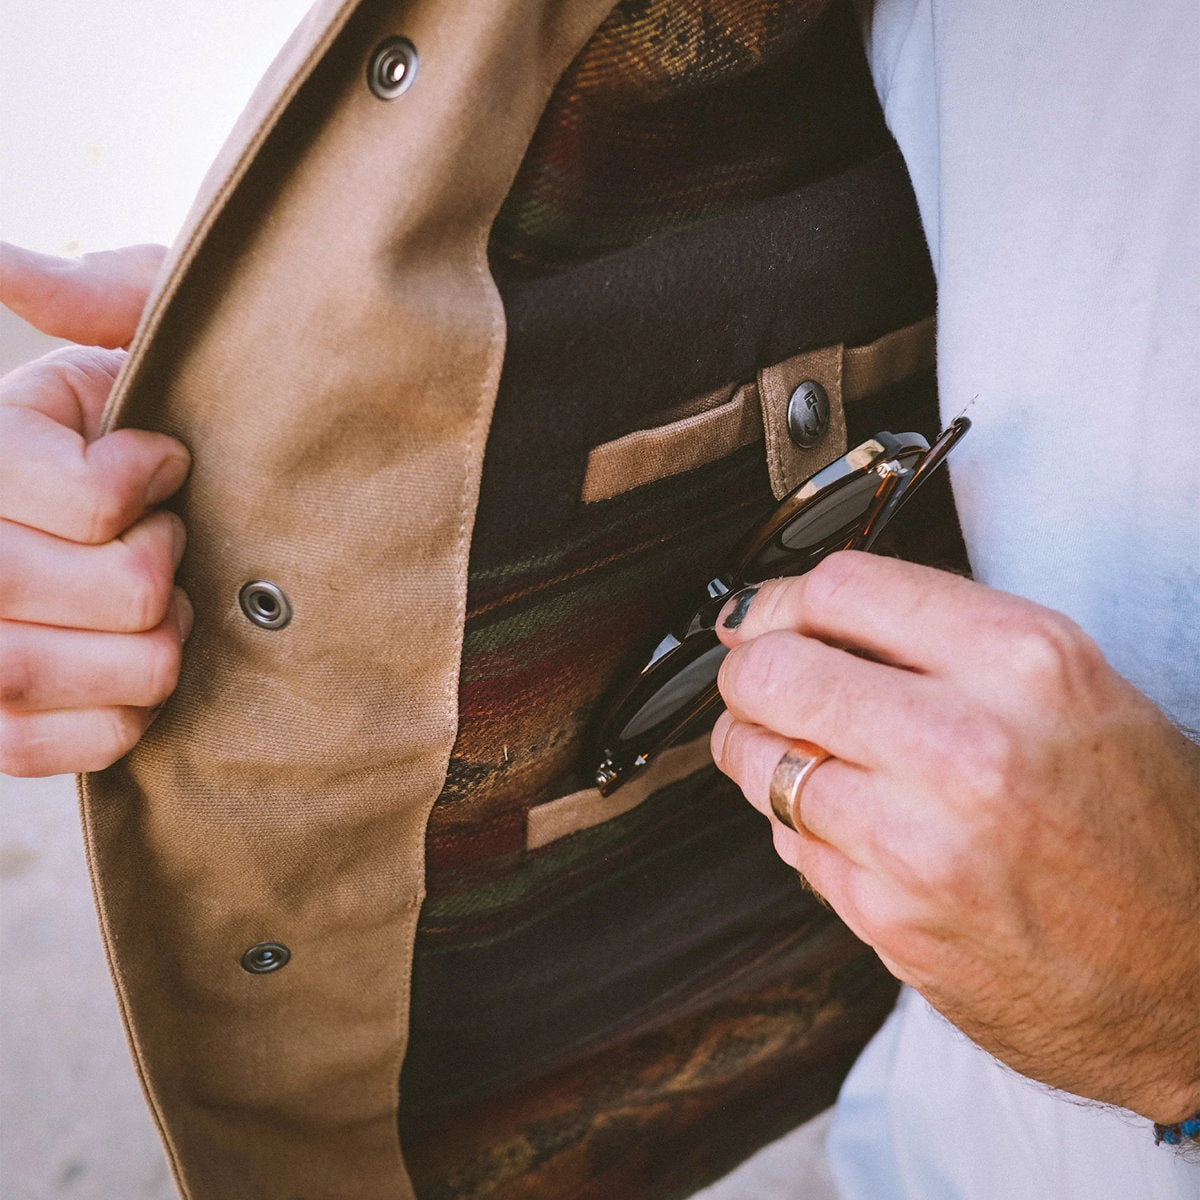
x=1173 y=1135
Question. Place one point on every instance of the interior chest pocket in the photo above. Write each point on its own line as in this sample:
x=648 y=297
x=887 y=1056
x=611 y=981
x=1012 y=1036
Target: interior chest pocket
x=693 y=449
x=796 y=408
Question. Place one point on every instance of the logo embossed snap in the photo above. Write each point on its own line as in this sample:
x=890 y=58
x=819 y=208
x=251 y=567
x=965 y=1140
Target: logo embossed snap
x=808 y=414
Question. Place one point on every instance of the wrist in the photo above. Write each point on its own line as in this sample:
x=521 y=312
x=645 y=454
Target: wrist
x=1173 y=1101
x=1171 y=1105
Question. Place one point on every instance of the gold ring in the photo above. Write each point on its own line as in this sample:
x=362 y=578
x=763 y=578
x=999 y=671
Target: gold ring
x=787 y=782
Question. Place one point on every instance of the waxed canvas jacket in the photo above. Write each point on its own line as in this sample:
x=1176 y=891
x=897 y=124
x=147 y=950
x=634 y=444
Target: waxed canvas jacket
x=328 y=340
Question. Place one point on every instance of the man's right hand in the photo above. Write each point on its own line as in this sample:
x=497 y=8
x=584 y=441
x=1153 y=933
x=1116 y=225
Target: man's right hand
x=91 y=624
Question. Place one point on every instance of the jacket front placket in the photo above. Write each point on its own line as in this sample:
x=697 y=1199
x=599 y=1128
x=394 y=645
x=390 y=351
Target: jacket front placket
x=327 y=340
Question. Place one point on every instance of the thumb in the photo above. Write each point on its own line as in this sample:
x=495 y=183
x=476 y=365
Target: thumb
x=96 y=300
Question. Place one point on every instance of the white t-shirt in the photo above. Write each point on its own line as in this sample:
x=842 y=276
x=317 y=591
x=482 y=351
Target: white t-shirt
x=1055 y=152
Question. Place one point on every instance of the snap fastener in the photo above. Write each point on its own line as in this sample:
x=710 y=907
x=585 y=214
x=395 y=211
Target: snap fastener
x=808 y=414
x=265 y=604
x=393 y=68
x=265 y=958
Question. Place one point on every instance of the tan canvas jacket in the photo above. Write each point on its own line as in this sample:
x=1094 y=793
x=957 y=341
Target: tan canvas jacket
x=327 y=340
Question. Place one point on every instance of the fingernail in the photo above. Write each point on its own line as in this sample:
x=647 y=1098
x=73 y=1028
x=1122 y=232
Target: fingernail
x=167 y=479
x=185 y=615
x=716 y=741
x=178 y=539
x=741 y=606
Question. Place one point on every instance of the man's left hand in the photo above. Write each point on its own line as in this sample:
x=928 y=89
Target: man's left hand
x=1010 y=824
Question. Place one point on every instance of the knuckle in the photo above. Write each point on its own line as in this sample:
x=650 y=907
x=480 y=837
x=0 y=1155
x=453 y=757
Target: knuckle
x=120 y=735
x=17 y=674
x=97 y=363
x=826 y=585
x=100 y=510
x=85 y=369
x=925 y=858
x=734 y=751
x=990 y=761
x=743 y=669
x=971 y=753
x=147 y=582
x=1046 y=651
x=766 y=667
x=165 y=656
x=880 y=921
x=13 y=581
x=947 y=870
x=901 y=851
x=16 y=757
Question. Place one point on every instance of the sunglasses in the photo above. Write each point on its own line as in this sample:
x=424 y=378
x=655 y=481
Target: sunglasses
x=844 y=506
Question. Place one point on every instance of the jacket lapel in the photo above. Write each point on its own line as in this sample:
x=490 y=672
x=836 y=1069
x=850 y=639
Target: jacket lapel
x=327 y=340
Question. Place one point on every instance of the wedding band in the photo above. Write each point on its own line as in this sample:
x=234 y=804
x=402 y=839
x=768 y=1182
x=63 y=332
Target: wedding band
x=788 y=780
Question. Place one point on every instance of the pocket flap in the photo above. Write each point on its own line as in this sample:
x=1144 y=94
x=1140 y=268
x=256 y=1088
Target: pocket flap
x=787 y=463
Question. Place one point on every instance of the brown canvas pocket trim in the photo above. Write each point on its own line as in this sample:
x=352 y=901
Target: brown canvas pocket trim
x=888 y=360
x=849 y=374
x=789 y=465
x=546 y=823
x=695 y=441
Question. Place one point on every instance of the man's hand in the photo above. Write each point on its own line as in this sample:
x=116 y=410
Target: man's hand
x=90 y=622
x=1012 y=826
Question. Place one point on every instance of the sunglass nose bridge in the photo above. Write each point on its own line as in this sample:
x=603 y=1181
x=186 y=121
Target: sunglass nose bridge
x=705 y=617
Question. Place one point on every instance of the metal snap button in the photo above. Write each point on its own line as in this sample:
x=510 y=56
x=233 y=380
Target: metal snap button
x=393 y=68
x=265 y=604
x=265 y=958
x=808 y=414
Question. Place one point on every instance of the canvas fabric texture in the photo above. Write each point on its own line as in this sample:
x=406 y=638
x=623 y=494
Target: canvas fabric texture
x=574 y=1018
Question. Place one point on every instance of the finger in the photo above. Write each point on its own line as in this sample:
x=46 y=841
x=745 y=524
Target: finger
x=70 y=386
x=849 y=848
x=123 y=586
x=863 y=712
x=96 y=300
x=46 y=668
x=749 y=755
x=898 y=612
x=35 y=744
x=838 y=803
x=52 y=480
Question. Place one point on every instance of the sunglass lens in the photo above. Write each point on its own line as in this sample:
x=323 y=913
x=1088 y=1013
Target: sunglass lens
x=826 y=524
x=663 y=706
